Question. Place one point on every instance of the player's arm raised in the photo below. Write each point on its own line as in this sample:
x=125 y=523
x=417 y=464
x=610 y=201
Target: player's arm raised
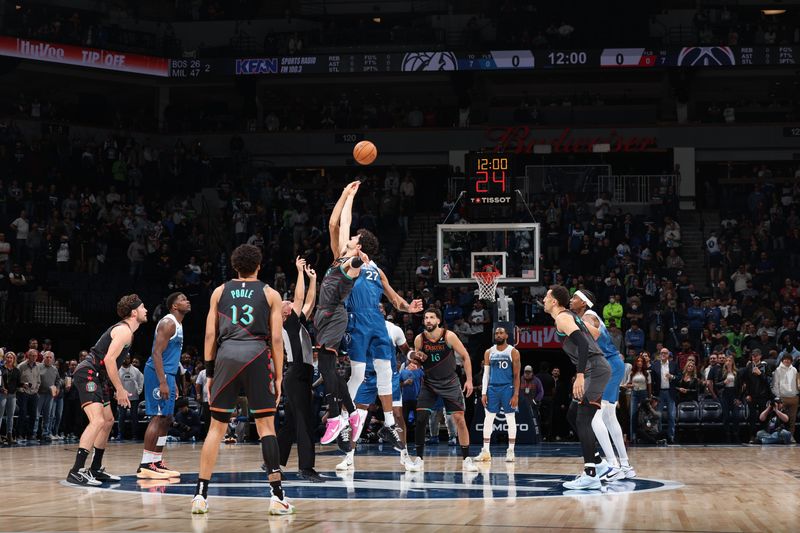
x=515 y=364
x=165 y=329
x=276 y=332
x=333 y=222
x=458 y=347
x=299 y=286
x=397 y=301
x=212 y=332
x=121 y=336
x=485 y=379
x=311 y=296
x=566 y=325
x=346 y=216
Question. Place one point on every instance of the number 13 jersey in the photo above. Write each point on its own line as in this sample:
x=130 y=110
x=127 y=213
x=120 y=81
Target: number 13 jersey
x=243 y=312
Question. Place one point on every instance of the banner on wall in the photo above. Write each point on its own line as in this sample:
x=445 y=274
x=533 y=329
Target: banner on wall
x=67 y=54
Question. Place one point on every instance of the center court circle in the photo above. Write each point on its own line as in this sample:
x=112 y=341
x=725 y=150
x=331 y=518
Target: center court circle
x=381 y=485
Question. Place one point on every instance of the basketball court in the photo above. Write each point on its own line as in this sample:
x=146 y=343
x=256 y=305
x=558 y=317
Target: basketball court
x=677 y=489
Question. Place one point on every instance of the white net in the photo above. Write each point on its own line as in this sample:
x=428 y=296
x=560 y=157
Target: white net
x=487 y=285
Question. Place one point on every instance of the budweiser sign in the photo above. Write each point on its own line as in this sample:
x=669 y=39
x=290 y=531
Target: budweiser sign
x=538 y=338
x=522 y=139
x=66 y=54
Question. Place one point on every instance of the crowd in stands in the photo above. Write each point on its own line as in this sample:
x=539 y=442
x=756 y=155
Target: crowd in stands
x=724 y=26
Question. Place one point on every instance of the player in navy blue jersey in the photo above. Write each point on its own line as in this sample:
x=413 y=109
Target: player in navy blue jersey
x=243 y=314
x=160 y=391
x=500 y=385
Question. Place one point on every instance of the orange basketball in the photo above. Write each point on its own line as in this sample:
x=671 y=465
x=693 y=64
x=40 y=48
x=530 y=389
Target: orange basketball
x=365 y=153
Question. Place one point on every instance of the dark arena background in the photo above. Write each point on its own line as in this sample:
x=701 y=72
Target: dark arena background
x=645 y=156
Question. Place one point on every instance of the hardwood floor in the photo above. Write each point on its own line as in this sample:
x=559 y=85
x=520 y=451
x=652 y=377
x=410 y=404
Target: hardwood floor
x=717 y=489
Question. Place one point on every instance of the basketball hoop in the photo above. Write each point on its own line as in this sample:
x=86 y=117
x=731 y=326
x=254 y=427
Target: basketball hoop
x=487 y=284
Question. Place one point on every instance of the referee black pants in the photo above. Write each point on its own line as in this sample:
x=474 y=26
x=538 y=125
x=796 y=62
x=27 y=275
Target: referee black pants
x=297 y=426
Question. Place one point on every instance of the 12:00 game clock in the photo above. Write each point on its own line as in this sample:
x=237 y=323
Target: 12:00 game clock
x=489 y=178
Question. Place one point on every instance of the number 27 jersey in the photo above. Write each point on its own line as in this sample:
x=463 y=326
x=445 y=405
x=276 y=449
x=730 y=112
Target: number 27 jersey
x=243 y=311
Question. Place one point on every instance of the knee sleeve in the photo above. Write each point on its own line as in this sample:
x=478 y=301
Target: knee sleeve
x=583 y=423
x=271 y=454
x=609 y=413
x=423 y=415
x=357 y=371
x=383 y=368
x=511 y=420
x=488 y=425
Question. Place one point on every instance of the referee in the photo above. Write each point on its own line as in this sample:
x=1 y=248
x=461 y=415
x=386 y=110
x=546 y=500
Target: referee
x=297 y=426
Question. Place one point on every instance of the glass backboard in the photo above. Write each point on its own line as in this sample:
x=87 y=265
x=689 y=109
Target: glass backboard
x=511 y=249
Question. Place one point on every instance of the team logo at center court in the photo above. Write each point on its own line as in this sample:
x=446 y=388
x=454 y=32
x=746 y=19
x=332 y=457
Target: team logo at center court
x=91 y=386
x=429 y=61
x=502 y=484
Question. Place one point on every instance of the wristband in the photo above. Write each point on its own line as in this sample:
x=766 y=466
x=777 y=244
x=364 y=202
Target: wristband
x=210 y=368
x=408 y=355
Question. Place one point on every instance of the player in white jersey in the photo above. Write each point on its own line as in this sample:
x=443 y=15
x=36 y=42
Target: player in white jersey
x=605 y=421
x=500 y=385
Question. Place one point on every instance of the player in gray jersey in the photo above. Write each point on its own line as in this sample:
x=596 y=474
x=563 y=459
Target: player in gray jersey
x=243 y=314
x=330 y=317
x=590 y=381
x=92 y=379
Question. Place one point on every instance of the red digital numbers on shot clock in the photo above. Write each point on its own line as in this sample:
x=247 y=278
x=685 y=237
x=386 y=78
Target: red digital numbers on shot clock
x=488 y=175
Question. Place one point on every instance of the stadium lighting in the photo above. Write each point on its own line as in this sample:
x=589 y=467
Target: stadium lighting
x=773 y=11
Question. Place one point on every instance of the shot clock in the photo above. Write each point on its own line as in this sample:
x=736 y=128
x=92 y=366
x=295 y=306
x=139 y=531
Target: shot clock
x=489 y=178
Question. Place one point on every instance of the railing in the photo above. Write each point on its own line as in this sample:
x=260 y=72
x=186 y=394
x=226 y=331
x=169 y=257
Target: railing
x=636 y=189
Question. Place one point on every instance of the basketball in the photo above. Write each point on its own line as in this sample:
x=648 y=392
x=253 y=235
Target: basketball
x=365 y=153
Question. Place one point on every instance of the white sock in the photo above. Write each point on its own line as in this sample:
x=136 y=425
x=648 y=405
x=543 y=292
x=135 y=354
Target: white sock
x=351 y=454
x=609 y=411
x=148 y=457
x=511 y=445
x=601 y=432
x=404 y=453
x=486 y=446
x=157 y=457
x=388 y=419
